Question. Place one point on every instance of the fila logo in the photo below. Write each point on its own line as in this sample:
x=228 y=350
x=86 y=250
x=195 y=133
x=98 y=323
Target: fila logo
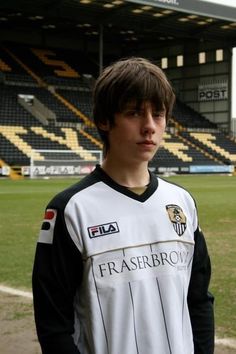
x=103 y=230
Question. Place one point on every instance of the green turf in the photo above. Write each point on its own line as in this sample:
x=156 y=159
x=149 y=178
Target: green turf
x=22 y=208
x=216 y=200
x=21 y=211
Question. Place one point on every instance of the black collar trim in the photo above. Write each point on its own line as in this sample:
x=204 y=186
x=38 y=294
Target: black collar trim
x=151 y=188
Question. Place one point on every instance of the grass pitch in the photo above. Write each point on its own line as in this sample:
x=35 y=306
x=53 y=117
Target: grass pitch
x=22 y=205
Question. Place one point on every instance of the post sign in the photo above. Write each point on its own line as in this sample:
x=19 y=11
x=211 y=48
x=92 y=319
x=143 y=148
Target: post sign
x=214 y=91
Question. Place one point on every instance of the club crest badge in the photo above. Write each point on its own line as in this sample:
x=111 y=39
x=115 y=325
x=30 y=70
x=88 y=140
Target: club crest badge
x=177 y=217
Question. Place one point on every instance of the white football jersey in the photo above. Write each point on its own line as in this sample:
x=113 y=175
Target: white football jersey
x=136 y=259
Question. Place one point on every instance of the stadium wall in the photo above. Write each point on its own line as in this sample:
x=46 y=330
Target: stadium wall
x=211 y=79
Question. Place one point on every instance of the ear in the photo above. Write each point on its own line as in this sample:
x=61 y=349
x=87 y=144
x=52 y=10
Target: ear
x=104 y=126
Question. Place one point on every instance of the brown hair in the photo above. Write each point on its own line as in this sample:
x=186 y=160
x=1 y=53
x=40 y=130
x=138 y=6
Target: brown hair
x=133 y=79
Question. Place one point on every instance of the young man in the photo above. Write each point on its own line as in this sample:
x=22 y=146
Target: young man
x=121 y=265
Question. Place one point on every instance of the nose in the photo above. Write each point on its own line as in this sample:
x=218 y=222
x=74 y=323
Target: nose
x=148 y=123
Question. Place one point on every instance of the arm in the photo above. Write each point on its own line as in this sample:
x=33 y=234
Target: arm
x=200 y=301
x=57 y=274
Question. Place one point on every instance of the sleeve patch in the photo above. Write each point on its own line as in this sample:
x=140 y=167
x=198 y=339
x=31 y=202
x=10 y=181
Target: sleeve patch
x=47 y=228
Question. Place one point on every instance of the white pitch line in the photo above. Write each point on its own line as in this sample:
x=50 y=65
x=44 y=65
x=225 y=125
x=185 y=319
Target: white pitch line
x=227 y=342
x=12 y=291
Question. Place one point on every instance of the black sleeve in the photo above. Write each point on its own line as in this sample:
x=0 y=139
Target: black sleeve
x=200 y=301
x=57 y=273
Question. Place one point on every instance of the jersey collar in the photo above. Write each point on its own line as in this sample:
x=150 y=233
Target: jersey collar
x=151 y=188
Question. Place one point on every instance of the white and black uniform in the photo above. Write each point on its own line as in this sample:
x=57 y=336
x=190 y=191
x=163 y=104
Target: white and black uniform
x=120 y=273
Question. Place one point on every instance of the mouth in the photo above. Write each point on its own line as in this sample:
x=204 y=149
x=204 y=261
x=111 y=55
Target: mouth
x=147 y=146
x=147 y=143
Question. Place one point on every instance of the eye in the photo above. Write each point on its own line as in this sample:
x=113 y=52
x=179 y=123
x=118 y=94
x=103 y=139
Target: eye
x=159 y=114
x=132 y=113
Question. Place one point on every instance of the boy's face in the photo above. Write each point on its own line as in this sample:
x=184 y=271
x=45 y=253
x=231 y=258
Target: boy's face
x=137 y=133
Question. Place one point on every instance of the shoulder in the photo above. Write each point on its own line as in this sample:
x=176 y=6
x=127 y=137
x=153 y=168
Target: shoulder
x=175 y=189
x=60 y=200
x=164 y=183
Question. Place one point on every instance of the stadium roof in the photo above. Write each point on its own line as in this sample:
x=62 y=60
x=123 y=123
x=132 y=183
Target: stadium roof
x=132 y=22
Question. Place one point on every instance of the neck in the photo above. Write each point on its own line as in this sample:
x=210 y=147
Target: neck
x=128 y=176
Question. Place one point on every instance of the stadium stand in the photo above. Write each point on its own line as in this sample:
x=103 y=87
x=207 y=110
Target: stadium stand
x=11 y=112
x=189 y=118
x=79 y=98
x=34 y=79
x=214 y=143
x=56 y=67
x=176 y=151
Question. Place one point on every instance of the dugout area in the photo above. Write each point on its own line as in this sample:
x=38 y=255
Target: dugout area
x=51 y=51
